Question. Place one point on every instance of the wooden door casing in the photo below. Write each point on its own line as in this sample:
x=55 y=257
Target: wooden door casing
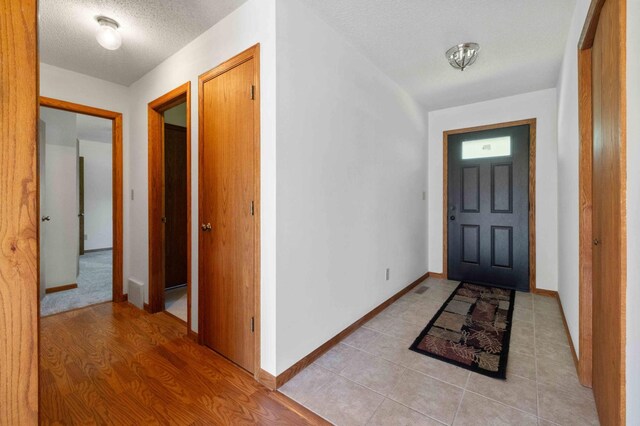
x=117 y=182
x=19 y=213
x=609 y=212
x=229 y=187
x=156 y=126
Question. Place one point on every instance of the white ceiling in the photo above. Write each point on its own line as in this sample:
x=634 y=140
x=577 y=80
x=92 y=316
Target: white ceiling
x=152 y=30
x=521 y=43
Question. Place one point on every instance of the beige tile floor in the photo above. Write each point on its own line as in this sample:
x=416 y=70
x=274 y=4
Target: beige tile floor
x=175 y=302
x=372 y=378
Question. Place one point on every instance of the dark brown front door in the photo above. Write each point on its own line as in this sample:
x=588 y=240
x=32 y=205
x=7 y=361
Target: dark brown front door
x=488 y=207
x=175 y=205
x=226 y=213
x=609 y=249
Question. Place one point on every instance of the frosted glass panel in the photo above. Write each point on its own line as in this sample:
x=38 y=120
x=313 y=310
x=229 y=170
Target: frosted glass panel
x=485 y=148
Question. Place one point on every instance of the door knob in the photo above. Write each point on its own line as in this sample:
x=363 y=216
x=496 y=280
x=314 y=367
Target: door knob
x=164 y=219
x=596 y=241
x=80 y=214
x=46 y=218
x=206 y=227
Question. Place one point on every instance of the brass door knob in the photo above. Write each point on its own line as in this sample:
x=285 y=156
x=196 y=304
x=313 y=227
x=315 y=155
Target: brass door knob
x=206 y=227
x=596 y=241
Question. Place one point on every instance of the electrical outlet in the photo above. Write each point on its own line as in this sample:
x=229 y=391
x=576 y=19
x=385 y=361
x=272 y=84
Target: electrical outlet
x=387 y=274
x=132 y=195
x=424 y=195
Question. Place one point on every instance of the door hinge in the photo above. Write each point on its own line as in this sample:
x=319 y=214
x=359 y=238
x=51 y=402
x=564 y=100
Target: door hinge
x=253 y=92
x=252 y=209
x=253 y=324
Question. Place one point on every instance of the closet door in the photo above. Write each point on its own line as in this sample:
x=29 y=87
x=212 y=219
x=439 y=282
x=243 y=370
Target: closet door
x=227 y=192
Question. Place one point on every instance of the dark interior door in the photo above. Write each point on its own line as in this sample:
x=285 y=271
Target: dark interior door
x=81 y=205
x=175 y=208
x=488 y=207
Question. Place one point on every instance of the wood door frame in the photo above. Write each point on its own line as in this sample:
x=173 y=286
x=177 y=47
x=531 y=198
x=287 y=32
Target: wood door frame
x=585 y=107
x=532 y=122
x=251 y=53
x=116 y=182
x=156 y=109
x=19 y=233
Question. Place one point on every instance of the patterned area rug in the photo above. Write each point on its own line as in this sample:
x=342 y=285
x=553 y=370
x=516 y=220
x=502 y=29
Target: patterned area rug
x=471 y=330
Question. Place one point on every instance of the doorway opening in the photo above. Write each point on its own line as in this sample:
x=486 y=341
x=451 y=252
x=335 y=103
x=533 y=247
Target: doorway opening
x=489 y=204
x=170 y=204
x=80 y=206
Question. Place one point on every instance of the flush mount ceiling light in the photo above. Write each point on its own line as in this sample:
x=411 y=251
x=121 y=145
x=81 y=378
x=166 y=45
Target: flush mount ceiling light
x=463 y=55
x=108 y=35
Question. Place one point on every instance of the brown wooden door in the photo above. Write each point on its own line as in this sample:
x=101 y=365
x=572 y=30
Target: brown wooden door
x=81 y=205
x=609 y=250
x=175 y=205
x=227 y=192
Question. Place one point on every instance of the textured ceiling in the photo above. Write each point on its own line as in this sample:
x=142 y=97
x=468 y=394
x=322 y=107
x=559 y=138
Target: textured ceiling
x=521 y=41
x=152 y=30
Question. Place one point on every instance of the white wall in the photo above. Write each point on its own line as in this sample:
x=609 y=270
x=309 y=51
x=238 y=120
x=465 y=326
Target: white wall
x=633 y=213
x=349 y=190
x=540 y=105
x=253 y=22
x=568 y=177
x=82 y=89
x=61 y=203
x=177 y=115
x=98 y=222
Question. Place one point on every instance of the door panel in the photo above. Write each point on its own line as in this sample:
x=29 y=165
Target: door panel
x=470 y=244
x=81 y=205
x=608 y=211
x=227 y=179
x=471 y=189
x=175 y=205
x=488 y=211
x=42 y=210
x=501 y=188
x=502 y=246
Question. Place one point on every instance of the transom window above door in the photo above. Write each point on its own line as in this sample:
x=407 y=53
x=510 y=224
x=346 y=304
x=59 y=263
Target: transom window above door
x=486 y=148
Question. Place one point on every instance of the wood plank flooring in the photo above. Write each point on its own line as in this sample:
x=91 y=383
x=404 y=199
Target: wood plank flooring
x=115 y=364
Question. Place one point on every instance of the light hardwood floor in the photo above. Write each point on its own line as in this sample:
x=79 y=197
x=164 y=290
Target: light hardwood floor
x=115 y=364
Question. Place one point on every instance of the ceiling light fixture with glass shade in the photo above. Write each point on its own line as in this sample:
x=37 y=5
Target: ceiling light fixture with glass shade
x=107 y=34
x=463 y=55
